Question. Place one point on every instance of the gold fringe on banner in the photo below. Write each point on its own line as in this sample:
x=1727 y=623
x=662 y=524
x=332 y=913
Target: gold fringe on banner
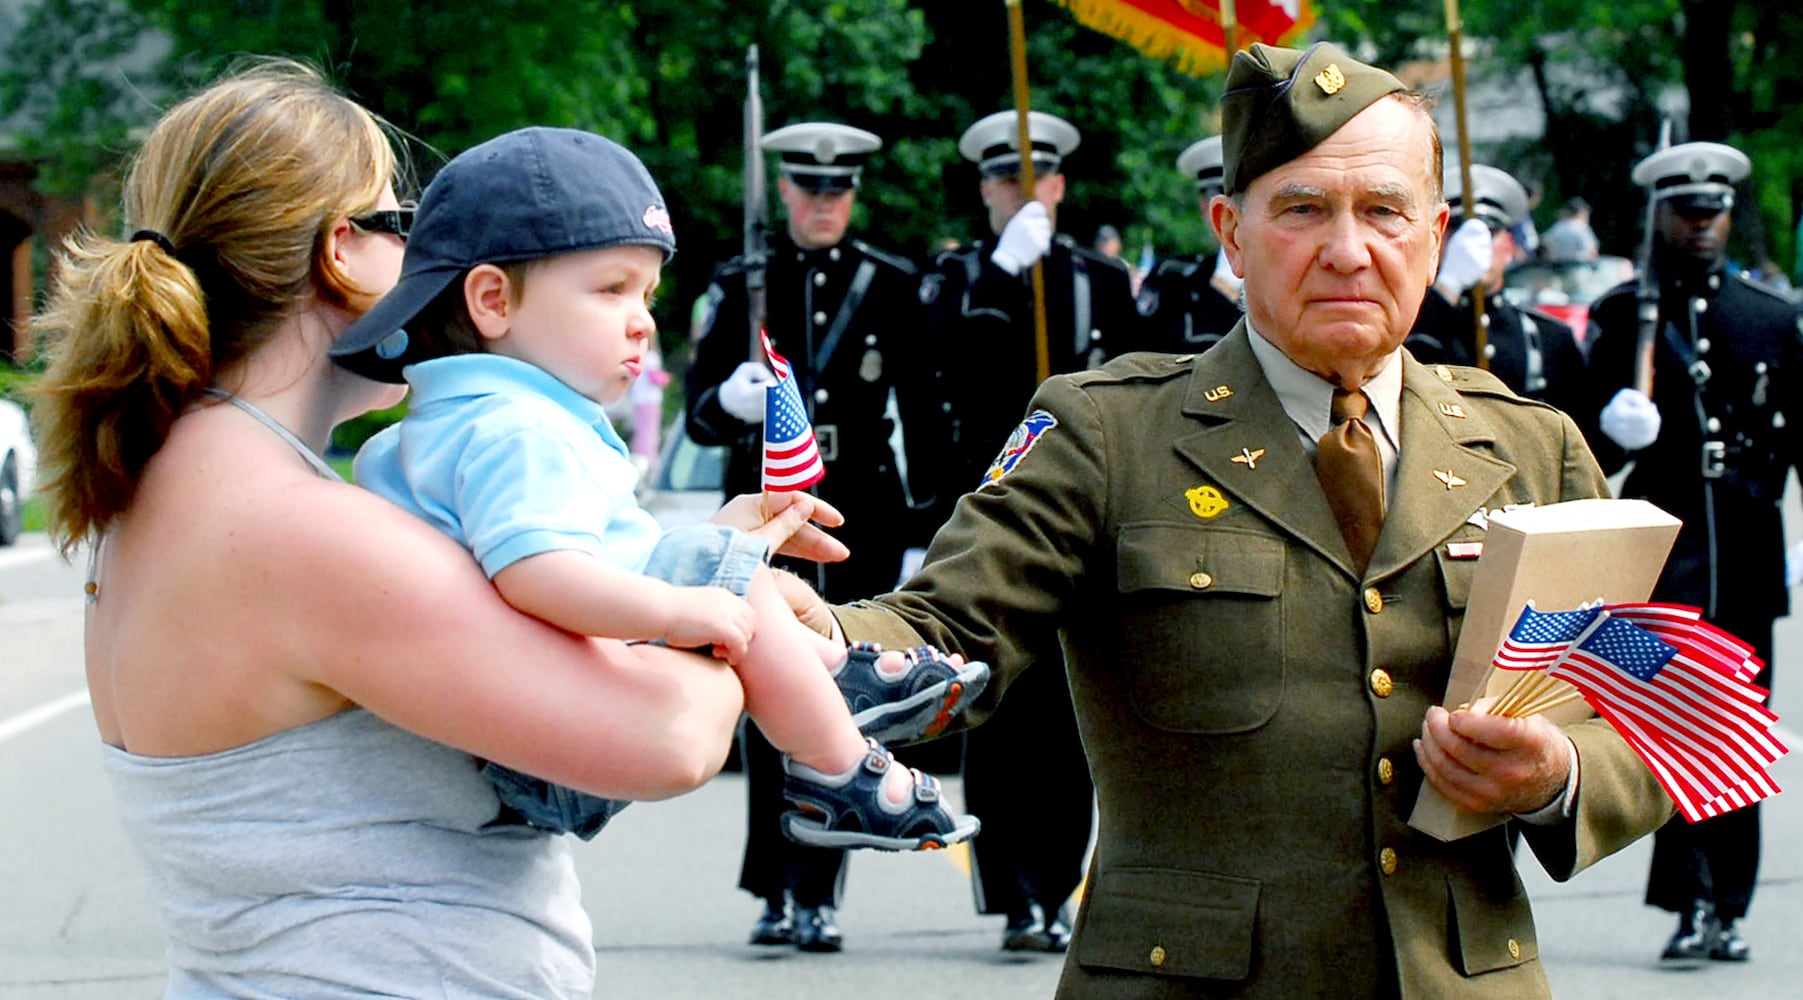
x=1188 y=32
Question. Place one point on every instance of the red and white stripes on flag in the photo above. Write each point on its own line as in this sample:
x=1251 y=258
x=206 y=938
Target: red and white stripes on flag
x=791 y=457
x=1680 y=691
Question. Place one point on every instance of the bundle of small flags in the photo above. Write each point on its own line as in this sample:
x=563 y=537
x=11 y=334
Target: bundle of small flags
x=1677 y=688
x=791 y=458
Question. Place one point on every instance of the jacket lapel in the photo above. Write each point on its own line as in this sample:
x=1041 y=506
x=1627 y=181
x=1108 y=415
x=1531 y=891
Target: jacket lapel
x=1233 y=416
x=1445 y=469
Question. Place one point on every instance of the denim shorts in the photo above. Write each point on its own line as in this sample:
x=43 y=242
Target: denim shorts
x=698 y=555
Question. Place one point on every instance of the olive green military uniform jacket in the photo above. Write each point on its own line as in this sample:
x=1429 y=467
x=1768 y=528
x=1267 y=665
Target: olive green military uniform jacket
x=1246 y=701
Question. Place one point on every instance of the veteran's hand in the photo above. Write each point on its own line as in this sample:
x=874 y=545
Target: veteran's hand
x=809 y=607
x=1493 y=764
x=790 y=521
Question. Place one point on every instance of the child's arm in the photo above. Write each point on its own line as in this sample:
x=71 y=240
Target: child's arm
x=583 y=594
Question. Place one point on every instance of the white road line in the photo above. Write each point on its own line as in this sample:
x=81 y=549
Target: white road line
x=41 y=714
x=26 y=554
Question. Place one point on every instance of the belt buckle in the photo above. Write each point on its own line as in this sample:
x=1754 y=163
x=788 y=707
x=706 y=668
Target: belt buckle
x=826 y=438
x=1715 y=459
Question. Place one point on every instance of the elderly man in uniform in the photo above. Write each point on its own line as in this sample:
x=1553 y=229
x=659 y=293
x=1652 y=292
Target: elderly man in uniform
x=1191 y=303
x=1533 y=353
x=1029 y=858
x=846 y=316
x=1713 y=446
x=1250 y=560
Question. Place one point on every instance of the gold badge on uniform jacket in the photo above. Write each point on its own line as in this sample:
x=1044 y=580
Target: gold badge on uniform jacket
x=1205 y=501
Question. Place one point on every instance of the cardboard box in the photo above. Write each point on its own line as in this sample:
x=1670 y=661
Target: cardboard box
x=1559 y=556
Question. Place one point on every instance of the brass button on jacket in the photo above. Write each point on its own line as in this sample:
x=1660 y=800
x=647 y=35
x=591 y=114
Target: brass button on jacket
x=1201 y=581
x=1386 y=771
x=1380 y=683
x=1157 y=957
x=1374 y=601
x=1386 y=860
x=1514 y=948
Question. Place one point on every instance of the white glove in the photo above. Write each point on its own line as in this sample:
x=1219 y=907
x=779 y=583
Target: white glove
x=742 y=395
x=1026 y=238
x=1631 y=420
x=1467 y=257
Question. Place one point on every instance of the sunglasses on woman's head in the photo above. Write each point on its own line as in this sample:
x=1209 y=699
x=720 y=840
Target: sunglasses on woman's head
x=394 y=221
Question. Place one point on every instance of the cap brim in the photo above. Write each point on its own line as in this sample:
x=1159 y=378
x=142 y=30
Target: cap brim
x=822 y=182
x=1698 y=202
x=356 y=347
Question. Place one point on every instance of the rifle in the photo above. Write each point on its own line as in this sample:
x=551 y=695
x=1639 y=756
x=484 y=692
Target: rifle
x=1646 y=292
x=757 y=208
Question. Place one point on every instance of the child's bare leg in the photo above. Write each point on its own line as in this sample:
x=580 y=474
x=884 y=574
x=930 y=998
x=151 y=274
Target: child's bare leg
x=793 y=699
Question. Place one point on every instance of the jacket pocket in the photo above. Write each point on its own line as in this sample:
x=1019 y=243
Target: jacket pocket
x=1201 y=629
x=1165 y=922
x=1492 y=927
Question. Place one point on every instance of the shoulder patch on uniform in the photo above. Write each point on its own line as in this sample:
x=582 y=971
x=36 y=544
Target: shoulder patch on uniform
x=894 y=260
x=1020 y=441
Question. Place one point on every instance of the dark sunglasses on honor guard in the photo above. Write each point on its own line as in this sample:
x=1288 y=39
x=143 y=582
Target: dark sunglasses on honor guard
x=395 y=221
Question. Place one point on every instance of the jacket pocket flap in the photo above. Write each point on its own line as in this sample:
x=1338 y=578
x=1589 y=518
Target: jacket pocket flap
x=1164 y=922
x=1199 y=560
x=1493 y=930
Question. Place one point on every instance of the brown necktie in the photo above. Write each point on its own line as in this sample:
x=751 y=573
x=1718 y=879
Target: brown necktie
x=1352 y=474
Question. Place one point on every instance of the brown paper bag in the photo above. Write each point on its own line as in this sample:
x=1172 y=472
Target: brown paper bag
x=1559 y=556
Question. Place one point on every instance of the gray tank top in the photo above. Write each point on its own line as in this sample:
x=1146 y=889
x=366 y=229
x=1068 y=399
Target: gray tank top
x=348 y=858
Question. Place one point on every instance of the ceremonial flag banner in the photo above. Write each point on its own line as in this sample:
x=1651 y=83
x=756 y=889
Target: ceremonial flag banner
x=791 y=458
x=1678 y=689
x=1189 y=31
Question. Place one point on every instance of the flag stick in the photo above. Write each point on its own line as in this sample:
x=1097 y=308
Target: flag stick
x=1230 y=30
x=1017 y=49
x=1455 y=32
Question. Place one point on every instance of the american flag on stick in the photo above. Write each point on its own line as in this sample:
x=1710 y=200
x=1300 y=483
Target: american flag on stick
x=1678 y=689
x=791 y=458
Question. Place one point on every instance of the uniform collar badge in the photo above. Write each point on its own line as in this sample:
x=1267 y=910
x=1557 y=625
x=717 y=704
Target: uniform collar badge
x=1205 y=501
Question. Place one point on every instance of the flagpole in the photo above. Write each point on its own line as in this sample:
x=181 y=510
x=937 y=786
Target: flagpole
x=1230 y=30
x=1455 y=31
x=1017 y=48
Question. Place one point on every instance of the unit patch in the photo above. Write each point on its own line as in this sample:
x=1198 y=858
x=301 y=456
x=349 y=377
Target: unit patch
x=1020 y=441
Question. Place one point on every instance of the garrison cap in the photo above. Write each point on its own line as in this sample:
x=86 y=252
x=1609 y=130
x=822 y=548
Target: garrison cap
x=1202 y=160
x=822 y=156
x=993 y=143
x=1696 y=175
x=1280 y=103
x=1501 y=201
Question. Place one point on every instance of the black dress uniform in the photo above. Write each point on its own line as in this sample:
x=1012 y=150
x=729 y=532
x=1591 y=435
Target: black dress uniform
x=1186 y=311
x=847 y=318
x=1727 y=365
x=1532 y=352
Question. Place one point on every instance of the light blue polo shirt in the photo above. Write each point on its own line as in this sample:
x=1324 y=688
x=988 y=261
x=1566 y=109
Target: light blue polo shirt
x=510 y=462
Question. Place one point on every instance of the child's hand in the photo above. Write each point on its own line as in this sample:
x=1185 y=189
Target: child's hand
x=711 y=616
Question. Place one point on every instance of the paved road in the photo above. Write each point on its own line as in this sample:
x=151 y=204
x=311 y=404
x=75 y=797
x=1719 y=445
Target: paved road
x=74 y=923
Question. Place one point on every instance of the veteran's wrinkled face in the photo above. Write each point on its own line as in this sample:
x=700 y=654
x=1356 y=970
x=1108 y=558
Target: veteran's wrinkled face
x=1338 y=246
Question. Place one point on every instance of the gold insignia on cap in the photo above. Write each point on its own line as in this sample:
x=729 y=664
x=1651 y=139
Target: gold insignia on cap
x=1205 y=501
x=1331 y=79
x=1249 y=457
x=1448 y=477
x=1453 y=410
x=1217 y=394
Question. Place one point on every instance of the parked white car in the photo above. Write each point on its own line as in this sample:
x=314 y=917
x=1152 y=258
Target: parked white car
x=18 y=469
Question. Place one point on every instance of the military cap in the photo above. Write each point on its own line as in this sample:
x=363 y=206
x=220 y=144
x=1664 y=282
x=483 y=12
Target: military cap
x=1202 y=160
x=993 y=143
x=822 y=156
x=1280 y=103
x=1500 y=201
x=1699 y=175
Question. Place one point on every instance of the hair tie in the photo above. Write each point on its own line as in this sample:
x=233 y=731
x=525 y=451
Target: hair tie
x=154 y=237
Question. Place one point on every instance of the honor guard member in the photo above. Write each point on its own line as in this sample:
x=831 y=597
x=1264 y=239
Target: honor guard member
x=1533 y=353
x=1255 y=651
x=1191 y=302
x=1713 y=446
x=1028 y=860
x=846 y=316
x=979 y=298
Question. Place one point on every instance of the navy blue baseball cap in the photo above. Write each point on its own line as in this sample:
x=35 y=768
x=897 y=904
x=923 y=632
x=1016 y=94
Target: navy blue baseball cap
x=531 y=193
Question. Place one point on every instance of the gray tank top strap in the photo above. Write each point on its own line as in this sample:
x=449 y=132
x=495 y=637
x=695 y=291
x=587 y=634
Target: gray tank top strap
x=319 y=464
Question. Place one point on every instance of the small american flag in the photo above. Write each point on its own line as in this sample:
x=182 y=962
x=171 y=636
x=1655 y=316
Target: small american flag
x=1677 y=690
x=791 y=458
x=1540 y=637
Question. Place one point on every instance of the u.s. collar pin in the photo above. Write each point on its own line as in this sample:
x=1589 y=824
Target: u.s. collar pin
x=1217 y=394
x=1453 y=410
